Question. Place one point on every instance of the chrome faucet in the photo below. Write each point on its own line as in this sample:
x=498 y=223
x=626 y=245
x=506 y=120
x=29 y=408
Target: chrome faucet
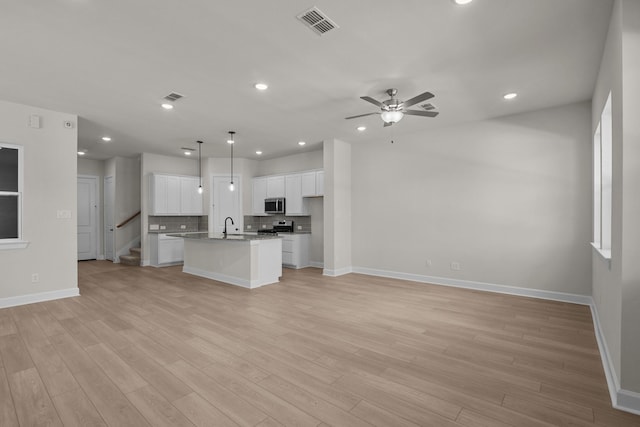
x=225 y=225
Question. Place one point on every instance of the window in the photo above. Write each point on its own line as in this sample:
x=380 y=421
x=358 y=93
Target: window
x=602 y=181
x=11 y=197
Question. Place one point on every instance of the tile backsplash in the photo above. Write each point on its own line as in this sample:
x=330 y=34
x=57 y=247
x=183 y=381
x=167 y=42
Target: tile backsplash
x=175 y=223
x=254 y=223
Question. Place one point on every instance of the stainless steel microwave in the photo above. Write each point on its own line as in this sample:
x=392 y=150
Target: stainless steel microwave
x=274 y=206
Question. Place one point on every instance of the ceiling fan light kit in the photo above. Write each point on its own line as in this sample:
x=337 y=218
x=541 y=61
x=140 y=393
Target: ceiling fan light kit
x=393 y=110
x=392 y=116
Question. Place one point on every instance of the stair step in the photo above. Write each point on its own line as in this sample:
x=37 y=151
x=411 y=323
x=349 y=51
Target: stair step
x=130 y=260
x=135 y=251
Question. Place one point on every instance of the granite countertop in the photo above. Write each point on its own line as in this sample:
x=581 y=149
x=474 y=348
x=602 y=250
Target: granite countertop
x=280 y=232
x=220 y=236
x=173 y=231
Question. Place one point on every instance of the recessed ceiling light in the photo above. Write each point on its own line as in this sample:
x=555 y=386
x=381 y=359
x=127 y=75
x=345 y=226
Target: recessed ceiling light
x=261 y=86
x=301 y=143
x=187 y=153
x=81 y=153
x=361 y=128
x=106 y=138
x=462 y=2
x=167 y=106
x=259 y=153
x=510 y=95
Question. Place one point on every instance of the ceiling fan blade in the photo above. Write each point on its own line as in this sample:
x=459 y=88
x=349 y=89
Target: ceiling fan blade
x=419 y=98
x=421 y=113
x=386 y=124
x=373 y=101
x=360 y=115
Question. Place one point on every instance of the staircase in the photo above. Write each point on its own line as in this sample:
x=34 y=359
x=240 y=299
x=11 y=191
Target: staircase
x=132 y=259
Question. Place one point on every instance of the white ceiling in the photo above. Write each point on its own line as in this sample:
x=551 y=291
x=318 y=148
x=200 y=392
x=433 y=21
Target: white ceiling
x=112 y=62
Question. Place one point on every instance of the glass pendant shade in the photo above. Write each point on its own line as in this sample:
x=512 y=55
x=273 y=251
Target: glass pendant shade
x=392 y=116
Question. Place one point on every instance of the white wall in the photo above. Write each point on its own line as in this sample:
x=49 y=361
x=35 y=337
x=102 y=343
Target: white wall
x=607 y=289
x=631 y=194
x=338 y=193
x=50 y=184
x=616 y=288
x=508 y=199
x=293 y=163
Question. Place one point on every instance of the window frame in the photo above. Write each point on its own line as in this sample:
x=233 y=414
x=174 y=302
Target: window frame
x=19 y=242
x=603 y=182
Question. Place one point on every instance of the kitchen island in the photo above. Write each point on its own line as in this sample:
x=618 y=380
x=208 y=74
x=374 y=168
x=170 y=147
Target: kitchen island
x=243 y=260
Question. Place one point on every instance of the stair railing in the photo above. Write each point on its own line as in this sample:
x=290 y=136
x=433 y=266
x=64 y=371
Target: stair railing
x=128 y=220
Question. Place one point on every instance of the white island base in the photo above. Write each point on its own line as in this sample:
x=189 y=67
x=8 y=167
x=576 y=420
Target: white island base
x=243 y=262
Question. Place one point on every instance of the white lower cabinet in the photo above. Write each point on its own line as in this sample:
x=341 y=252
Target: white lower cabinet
x=166 y=250
x=295 y=250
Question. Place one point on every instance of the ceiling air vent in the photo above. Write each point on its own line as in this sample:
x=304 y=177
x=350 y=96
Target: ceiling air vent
x=428 y=106
x=317 y=21
x=173 y=97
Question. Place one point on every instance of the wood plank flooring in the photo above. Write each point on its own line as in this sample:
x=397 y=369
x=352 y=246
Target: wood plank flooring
x=156 y=347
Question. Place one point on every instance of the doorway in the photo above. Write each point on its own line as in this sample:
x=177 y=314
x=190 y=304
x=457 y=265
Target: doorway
x=226 y=203
x=87 y=217
x=109 y=198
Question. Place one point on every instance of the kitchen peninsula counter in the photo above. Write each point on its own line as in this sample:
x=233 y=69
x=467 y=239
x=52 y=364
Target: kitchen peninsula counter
x=245 y=260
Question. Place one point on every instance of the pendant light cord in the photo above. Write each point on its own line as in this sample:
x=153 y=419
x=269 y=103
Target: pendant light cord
x=200 y=161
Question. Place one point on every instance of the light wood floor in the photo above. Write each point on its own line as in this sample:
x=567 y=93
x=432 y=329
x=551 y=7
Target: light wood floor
x=147 y=346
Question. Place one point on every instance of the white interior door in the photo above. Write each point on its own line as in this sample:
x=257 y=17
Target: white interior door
x=87 y=217
x=109 y=198
x=227 y=203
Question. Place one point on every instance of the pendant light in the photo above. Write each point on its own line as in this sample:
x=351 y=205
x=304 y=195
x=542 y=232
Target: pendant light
x=231 y=141
x=200 y=166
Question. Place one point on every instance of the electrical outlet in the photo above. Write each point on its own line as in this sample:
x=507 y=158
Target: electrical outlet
x=264 y=225
x=427 y=263
x=249 y=227
x=35 y=278
x=299 y=227
x=153 y=226
x=455 y=266
x=182 y=226
x=163 y=227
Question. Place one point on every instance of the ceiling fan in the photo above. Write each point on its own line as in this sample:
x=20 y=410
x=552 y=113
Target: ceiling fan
x=392 y=110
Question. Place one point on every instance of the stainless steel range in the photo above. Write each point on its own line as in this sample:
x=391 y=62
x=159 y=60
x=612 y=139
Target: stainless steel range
x=285 y=226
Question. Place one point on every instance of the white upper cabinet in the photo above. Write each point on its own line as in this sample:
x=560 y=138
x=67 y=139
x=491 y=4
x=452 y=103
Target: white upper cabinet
x=308 y=184
x=320 y=183
x=190 y=199
x=295 y=204
x=312 y=183
x=293 y=187
x=275 y=186
x=259 y=194
x=174 y=195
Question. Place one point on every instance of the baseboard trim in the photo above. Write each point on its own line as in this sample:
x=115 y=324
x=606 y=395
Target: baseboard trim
x=621 y=399
x=249 y=284
x=316 y=264
x=337 y=272
x=479 y=286
x=628 y=401
x=39 y=297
